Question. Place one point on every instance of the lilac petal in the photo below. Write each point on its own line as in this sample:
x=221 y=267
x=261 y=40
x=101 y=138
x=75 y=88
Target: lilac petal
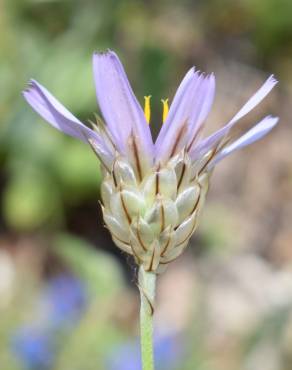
x=254 y=134
x=205 y=105
x=190 y=106
x=118 y=104
x=255 y=99
x=49 y=108
x=206 y=144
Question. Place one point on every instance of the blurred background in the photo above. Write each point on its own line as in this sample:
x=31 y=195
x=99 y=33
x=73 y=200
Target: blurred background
x=68 y=297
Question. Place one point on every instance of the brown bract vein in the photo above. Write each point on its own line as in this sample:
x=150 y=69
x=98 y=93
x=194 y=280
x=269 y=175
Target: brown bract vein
x=151 y=261
x=166 y=246
x=136 y=157
x=178 y=138
x=125 y=209
x=140 y=239
x=181 y=176
x=162 y=217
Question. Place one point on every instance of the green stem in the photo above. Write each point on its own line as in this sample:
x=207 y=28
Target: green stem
x=147 y=294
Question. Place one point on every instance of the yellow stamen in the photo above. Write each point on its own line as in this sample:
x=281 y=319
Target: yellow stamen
x=147 y=109
x=165 y=109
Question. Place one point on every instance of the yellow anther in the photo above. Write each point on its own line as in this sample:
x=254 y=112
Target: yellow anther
x=147 y=109
x=165 y=109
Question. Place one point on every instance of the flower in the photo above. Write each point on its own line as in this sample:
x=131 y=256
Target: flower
x=152 y=193
x=64 y=301
x=34 y=348
x=59 y=308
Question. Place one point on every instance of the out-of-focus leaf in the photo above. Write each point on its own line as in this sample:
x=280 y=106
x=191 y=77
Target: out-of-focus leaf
x=78 y=170
x=30 y=200
x=100 y=270
x=67 y=73
x=215 y=229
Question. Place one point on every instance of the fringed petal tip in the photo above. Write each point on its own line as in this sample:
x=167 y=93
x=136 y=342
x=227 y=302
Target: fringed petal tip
x=273 y=80
x=31 y=85
x=28 y=89
x=108 y=51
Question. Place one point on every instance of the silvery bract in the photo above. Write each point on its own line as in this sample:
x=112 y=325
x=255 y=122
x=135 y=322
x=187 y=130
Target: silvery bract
x=152 y=194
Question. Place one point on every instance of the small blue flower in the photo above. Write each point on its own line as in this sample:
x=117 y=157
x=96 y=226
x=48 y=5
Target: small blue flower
x=34 y=348
x=66 y=300
x=59 y=308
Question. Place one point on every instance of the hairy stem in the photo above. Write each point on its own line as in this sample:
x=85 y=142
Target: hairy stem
x=147 y=294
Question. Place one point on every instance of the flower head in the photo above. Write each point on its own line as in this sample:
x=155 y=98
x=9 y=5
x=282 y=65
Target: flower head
x=152 y=193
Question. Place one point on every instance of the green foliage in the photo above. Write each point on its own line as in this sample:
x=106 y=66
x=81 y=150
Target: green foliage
x=30 y=201
x=101 y=272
